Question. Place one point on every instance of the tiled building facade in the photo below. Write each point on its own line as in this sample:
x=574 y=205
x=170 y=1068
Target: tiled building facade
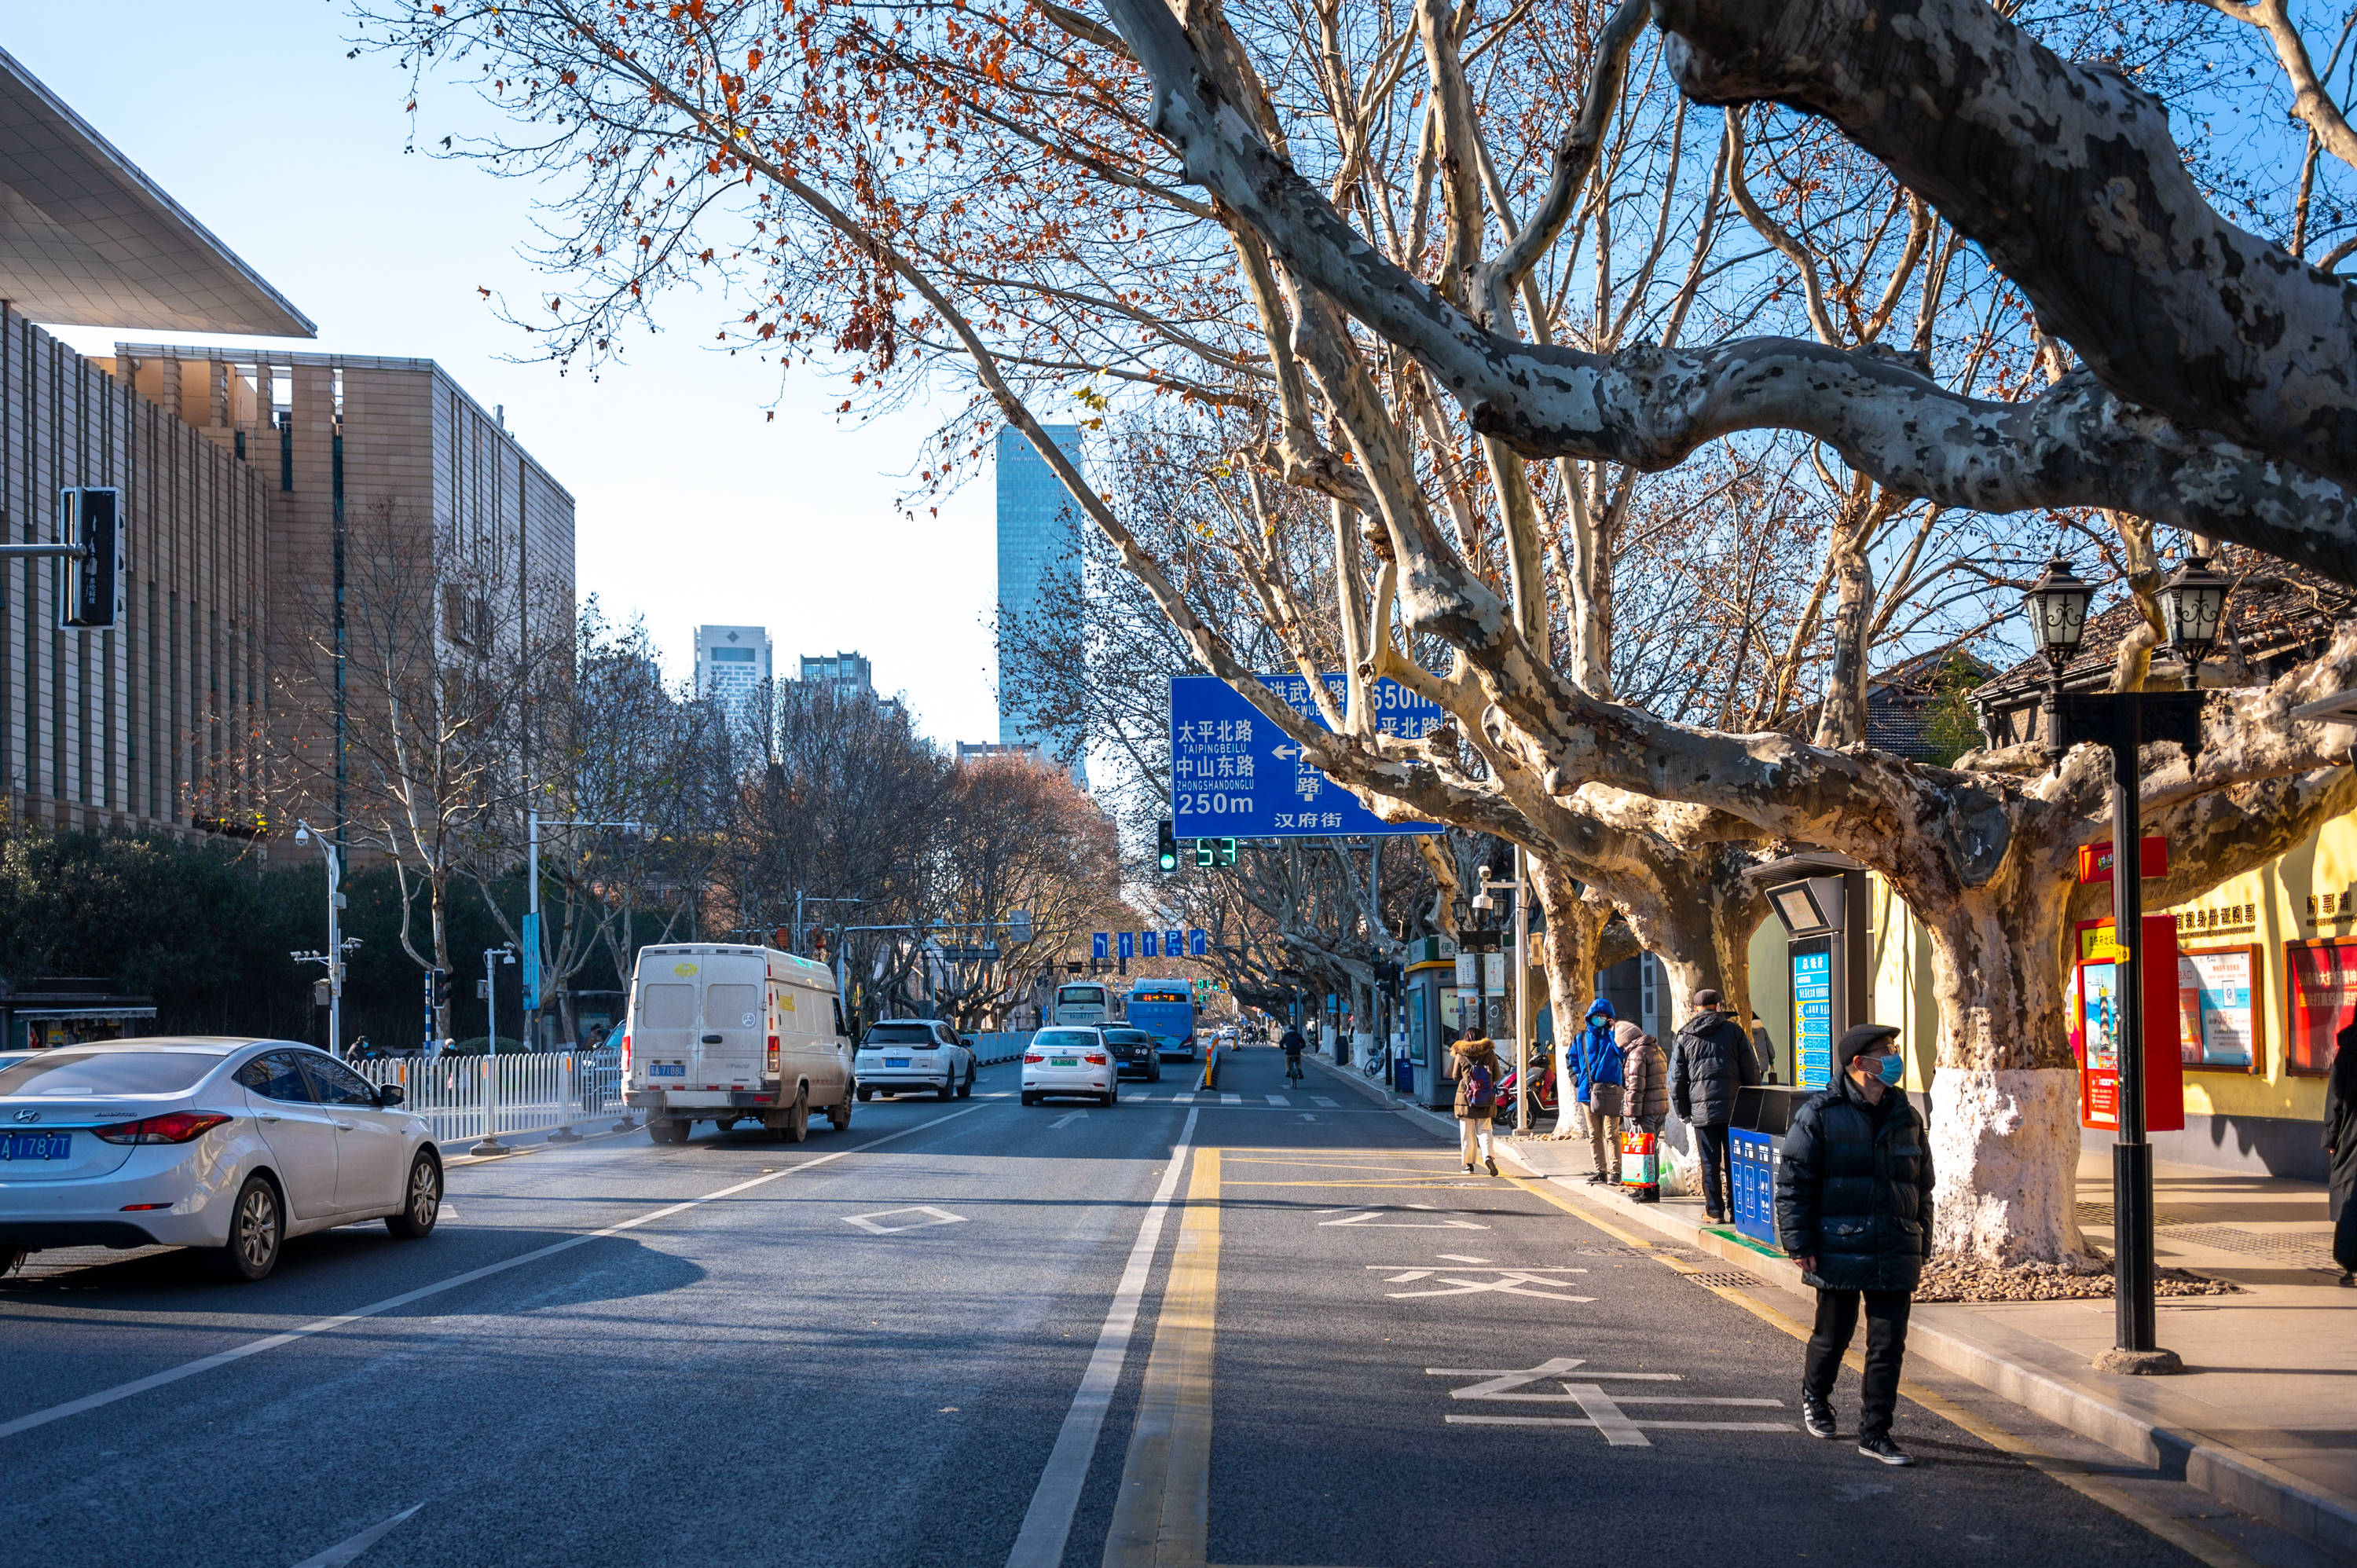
x=130 y=727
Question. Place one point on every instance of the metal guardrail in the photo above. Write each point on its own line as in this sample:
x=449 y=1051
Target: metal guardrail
x=465 y=1098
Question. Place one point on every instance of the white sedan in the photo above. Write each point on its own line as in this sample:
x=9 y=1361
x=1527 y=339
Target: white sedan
x=229 y=1144
x=1069 y=1060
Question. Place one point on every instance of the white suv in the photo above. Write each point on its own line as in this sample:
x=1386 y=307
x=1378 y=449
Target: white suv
x=914 y=1053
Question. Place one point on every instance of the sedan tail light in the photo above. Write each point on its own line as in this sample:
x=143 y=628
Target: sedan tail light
x=177 y=1127
x=1094 y=1058
x=1033 y=1056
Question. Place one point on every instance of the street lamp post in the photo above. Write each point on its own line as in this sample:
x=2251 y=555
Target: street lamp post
x=532 y=912
x=2123 y=722
x=2192 y=603
x=1522 y=983
x=334 y=956
x=492 y=959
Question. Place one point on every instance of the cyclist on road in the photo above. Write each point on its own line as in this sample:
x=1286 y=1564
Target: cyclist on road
x=1293 y=1046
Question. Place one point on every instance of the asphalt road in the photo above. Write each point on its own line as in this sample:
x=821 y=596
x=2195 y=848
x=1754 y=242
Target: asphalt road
x=911 y=1343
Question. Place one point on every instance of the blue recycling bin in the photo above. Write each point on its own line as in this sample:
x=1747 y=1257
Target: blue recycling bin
x=1755 y=1143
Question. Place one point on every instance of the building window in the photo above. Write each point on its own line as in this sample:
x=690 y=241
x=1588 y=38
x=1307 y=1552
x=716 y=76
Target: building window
x=2321 y=981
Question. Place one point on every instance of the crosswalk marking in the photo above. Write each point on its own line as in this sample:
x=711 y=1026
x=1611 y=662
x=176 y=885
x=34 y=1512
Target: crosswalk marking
x=1232 y=1100
x=1278 y=1100
x=1182 y=1099
x=1321 y=1099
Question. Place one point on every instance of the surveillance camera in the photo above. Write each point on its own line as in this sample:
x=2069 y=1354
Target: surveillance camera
x=1481 y=900
x=302 y=833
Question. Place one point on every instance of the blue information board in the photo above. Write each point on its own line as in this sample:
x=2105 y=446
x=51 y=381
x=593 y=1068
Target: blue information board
x=530 y=962
x=1235 y=775
x=1812 y=1013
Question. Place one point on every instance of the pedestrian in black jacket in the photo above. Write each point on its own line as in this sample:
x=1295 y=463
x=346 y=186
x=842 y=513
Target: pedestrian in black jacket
x=1710 y=1059
x=1854 y=1209
x=2340 y=1152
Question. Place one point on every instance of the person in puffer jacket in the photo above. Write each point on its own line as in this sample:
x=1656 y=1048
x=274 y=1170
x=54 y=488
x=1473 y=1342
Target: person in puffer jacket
x=1644 y=1077
x=1596 y=1072
x=1854 y=1209
x=1474 y=1050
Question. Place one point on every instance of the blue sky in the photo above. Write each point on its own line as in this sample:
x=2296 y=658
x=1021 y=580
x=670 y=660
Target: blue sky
x=691 y=508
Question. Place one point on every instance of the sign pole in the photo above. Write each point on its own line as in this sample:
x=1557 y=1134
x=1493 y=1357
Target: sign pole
x=1521 y=983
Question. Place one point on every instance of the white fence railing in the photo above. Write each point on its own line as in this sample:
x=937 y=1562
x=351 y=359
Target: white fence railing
x=464 y=1099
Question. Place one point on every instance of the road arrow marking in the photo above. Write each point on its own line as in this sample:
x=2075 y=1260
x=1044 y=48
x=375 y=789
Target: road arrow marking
x=336 y=1556
x=1368 y=1217
x=1068 y=1116
x=867 y=1222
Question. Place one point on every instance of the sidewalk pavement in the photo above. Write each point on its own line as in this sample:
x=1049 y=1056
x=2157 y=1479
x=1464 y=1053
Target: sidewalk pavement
x=2265 y=1416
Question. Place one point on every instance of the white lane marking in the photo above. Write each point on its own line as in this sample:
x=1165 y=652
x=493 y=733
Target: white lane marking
x=867 y=1222
x=447 y=1213
x=1631 y=1427
x=1048 y=1522
x=273 y=1341
x=343 y=1552
x=1182 y=1099
x=1321 y=1099
x=1232 y=1100
x=1278 y=1100
x=1068 y=1116
x=1461 y=1258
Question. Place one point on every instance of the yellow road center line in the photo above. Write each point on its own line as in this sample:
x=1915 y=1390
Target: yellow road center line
x=1161 y=1515
x=2199 y=1543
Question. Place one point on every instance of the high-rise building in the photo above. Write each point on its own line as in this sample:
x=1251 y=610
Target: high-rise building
x=1039 y=543
x=848 y=674
x=732 y=663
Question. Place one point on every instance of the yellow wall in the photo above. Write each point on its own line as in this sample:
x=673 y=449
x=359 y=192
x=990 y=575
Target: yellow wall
x=2308 y=893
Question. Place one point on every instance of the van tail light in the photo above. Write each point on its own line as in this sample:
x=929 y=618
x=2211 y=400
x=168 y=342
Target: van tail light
x=774 y=1054
x=177 y=1127
x=626 y=1056
x=1095 y=1058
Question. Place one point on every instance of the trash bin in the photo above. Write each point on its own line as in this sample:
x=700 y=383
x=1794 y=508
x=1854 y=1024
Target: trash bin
x=1755 y=1143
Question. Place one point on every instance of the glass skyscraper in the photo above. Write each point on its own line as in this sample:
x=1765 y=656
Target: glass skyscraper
x=1039 y=540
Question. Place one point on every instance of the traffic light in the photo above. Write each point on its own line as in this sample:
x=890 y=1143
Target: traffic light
x=1169 y=846
x=91 y=595
x=1227 y=852
x=1207 y=851
x=437 y=988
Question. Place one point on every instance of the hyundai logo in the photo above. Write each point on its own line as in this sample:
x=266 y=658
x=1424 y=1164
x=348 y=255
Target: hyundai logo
x=28 y=1116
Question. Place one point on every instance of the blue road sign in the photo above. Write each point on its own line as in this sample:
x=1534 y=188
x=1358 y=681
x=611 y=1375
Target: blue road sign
x=1099 y=942
x=1146 y=945
x=1128 y=944
x=1173 y=942
x=1197 y=942
x=1235 y=775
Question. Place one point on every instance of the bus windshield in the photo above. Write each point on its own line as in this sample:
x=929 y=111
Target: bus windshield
x=1081 y=993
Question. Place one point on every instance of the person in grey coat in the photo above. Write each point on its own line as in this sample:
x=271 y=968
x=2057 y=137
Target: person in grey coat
x=1854 y=1209
x=2340 y=1152
x=1710 y=1060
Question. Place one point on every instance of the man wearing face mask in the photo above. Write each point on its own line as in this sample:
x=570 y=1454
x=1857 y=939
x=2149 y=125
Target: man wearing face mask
x=1854 y=1209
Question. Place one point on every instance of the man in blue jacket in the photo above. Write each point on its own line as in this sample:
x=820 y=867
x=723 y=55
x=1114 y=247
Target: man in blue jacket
x=1597 y=1078
x=1854 y=1209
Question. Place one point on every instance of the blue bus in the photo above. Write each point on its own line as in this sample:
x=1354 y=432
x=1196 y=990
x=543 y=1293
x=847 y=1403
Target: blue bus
x=1166 y=1009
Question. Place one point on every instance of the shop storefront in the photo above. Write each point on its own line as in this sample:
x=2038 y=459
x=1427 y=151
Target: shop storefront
x=43 y=1015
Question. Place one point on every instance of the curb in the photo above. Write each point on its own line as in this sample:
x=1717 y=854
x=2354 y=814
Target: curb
x=1997 y=1358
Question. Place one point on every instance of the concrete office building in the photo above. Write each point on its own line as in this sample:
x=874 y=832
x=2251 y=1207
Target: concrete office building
x=1039 y=543
x=848 y=674
x=156 y=722
x=731 y=665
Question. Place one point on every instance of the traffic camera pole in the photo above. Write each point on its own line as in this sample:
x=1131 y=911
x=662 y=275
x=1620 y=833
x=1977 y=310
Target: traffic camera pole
x=2133 y=1329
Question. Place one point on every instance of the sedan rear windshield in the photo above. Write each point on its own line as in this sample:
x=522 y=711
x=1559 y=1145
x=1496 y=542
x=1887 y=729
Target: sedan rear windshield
x=60 y=1075
x=1064 y=1040
x=900 y=1035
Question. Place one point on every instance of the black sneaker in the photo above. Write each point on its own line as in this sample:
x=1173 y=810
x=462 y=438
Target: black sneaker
x=1492 y=1165
x=1883 y=1449
x=1817 y=1416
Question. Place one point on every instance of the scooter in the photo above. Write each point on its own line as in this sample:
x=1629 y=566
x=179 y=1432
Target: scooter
x=1542 y=1068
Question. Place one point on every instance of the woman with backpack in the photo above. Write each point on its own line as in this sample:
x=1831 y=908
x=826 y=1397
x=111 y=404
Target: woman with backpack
x=1475 y=1065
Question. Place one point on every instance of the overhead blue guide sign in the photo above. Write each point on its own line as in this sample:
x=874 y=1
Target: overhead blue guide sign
x=1233 y=773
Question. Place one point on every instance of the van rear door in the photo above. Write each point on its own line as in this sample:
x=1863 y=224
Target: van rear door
x=733 y=1037
x=662 y=1032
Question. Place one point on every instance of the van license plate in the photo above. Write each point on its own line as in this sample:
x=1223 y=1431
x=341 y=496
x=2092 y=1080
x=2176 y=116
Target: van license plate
x=37 y=1146
x=667 y=1069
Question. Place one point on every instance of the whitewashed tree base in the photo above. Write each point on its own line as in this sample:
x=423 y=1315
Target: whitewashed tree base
x=2005 y=1149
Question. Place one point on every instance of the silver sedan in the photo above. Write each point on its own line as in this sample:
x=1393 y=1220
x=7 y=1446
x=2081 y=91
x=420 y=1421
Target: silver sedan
x=229 y=1144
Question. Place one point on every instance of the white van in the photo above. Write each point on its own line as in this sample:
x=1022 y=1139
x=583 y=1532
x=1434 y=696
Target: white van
x=727 y=1034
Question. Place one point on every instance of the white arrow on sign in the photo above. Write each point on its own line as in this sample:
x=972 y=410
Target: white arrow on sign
x=869 y=1222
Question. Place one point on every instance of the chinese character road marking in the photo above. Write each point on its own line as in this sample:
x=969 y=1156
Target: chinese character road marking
x=1510 y=1282
x=1600 y=1411
x=935 y=1217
